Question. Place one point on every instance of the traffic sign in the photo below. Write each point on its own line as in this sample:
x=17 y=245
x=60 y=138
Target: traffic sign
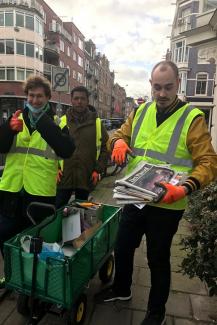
x=60 y=79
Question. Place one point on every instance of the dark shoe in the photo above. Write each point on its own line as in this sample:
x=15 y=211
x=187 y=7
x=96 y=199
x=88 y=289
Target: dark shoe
x=109 y=295
x=2 y=282
x=154 y=319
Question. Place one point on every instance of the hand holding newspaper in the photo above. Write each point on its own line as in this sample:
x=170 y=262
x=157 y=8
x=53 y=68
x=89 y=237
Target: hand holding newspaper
x=142 y=185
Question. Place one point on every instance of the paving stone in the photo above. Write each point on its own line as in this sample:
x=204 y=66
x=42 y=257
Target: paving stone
x=183 y=283
x=179 y=305
x=204 y=308
x=138 y=317
x=144 y=277
x=110 y=314
x=140 y=297
x=176 y=263
x=177 y=251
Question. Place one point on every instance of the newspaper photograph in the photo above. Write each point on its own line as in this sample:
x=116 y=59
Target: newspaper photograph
x=141 y=186
x=145 y=177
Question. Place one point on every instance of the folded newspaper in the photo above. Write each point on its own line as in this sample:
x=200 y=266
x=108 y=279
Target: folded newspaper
x=142 y=185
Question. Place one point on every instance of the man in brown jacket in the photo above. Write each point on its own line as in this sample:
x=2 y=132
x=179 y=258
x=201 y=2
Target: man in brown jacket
x=83 y=168
x=166 y=130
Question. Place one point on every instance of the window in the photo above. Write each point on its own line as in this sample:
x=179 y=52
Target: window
x=19 y=19
x=80 y=77
x=2 y=46
x=74 y=74
x=61 y=46
x=37 y=51
x=182 y=84
x=209 y=4
x=2 y=19
x=61 y=64
x=10 y=73
x=2 y=74
x=20 y=74
x=30 y=50
x=80 y=61
x=9 y=46
x=9 y=19
x=201 y=84
x=181 y=52
x=20 y=48
x=30 y=22
x=74 y=56
x=40 y=53
x=28 y=72
x=68 y=51
x=80 y=43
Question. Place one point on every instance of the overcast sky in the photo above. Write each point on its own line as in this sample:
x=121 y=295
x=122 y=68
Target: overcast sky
x=133 y=34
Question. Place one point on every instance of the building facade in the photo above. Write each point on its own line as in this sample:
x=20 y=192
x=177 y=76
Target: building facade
x=63 y=47
x=21 y=50
x=105 y=88
x=119 y=94
x=91 y=76
x=35 y=40
x=197 y=72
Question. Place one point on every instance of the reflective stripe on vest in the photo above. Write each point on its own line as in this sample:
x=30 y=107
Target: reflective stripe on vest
x=155 y=144
x=48 y=153
x=31 y=165
x=169 y=156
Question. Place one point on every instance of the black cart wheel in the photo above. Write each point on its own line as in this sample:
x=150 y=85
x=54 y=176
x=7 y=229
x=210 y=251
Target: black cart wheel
x=78 y=312
x=106 y=271
x=23 y=307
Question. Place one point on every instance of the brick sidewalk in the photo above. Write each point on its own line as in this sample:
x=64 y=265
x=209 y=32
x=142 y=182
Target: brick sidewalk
x=188 y=303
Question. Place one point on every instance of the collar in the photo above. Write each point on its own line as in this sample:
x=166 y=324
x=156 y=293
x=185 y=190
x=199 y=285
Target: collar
x=172 y=106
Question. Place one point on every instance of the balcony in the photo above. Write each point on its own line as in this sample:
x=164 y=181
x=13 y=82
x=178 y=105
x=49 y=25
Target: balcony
x=27 y=4
x=51 y=51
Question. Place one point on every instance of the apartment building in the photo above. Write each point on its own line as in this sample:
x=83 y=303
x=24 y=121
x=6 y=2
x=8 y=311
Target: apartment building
x=119 y=101
x=91 y=76
x=197 y=71
x=63 y=47
x=105 y=87
x=21 y=50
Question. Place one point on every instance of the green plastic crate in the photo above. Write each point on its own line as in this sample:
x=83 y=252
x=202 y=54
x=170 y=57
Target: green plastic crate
x=61 y=281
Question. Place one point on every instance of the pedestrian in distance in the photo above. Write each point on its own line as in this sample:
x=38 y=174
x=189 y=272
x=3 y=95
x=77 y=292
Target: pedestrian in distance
x=165 y=131
x=33 y=143
x=83 y=169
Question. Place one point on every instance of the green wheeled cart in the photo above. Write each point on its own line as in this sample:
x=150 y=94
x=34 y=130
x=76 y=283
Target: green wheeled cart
x=61 y=282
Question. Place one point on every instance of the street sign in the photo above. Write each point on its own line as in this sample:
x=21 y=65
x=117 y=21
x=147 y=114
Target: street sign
x=60 y=79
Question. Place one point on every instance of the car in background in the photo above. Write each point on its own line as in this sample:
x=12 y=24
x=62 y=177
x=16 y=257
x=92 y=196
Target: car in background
x=116 y=122
x=107 y=123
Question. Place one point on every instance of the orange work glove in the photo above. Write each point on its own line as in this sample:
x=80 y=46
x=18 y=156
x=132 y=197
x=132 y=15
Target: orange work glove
x=120 y=151
x=59 y=175
x=95 y=177
x=15 y=123
x=173 y=193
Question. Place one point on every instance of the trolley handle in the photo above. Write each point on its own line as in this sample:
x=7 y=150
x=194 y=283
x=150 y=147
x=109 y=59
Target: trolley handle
x=41 y=205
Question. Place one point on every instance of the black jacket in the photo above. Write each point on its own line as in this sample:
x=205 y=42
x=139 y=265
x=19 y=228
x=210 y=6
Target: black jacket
x=59 y=140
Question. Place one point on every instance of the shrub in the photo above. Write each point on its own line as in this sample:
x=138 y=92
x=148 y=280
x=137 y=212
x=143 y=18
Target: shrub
x=201 y=243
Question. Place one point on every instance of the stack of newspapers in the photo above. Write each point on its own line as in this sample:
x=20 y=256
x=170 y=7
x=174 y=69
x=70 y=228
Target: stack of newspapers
x=142 y=185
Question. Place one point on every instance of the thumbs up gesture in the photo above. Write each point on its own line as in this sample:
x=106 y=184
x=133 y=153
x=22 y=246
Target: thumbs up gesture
x=15 y=123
